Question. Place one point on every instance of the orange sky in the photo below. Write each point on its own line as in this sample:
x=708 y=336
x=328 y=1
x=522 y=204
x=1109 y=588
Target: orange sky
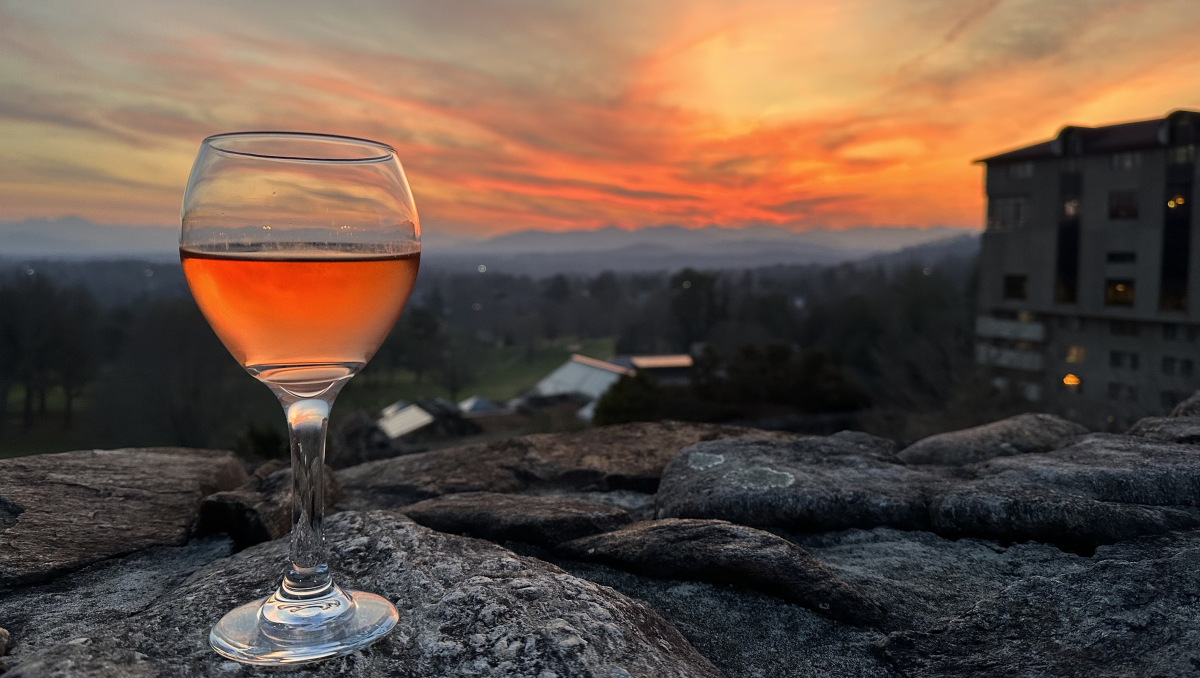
x=552 y=114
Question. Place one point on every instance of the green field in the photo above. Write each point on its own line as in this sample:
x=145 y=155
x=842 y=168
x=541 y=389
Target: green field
x=506 y=372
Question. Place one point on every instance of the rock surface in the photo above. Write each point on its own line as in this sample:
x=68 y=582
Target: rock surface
x=1022 y=434
x=808 y=485
x=542 y=520
x=468 y=608
x=59 y=512
x=1189 y=407
x=1100 y=489
x=1130 y=611
x=720 y=552
x=1168 y=429
x=261 y=509
x=623 y=457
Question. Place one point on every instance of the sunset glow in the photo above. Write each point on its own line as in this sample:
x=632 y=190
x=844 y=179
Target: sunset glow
x=574 y=115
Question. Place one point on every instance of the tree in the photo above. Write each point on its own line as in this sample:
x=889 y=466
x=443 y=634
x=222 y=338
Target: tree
x=73 y=357
x=461 y=362
x=694 y=306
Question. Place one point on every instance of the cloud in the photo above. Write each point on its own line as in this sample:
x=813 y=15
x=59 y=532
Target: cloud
x=553 y=115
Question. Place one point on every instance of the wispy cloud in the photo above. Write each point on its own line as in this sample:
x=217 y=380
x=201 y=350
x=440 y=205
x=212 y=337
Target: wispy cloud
x=565 y=115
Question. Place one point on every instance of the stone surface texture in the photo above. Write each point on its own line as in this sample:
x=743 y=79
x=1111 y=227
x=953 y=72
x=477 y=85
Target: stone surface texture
x=261 y=509
x=59 y=512
x=1189 y=407
x=720 y=552
x=1168 y=429
x=1073 y=561
x=468 y=608
x=1022 y=434
x=542 y=520
x=1099 y=489
x=623 y=457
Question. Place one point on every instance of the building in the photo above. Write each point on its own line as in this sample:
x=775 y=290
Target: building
x=587 y=379
x=1089 y=289
x=581 y=376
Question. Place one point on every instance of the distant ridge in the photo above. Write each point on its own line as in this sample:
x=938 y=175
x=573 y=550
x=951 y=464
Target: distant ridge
x=540 y=253
x=76 y=238
x=536 y=253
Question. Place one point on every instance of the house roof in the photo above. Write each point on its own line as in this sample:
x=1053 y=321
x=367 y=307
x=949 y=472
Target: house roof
x=1178 y=127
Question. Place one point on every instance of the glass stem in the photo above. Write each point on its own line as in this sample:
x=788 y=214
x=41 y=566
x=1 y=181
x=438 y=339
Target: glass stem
x=308 y=574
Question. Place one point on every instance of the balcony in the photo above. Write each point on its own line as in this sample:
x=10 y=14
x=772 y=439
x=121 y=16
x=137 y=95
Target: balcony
x=995 y=328
x=1006 y=357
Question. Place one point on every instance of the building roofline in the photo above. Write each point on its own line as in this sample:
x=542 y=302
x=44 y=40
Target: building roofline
x=1177 y=127
x=592 y=362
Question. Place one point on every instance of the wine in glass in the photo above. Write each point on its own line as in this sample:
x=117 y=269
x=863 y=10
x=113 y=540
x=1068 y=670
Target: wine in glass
x=301 y=251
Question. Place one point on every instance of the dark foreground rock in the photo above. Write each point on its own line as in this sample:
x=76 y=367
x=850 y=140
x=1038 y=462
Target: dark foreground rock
x=717 y=551
x=1022 y=434
x=1131 y=611
x=541 y=520
x=1100 y=489
x=1168 y=429
x=624 y=457
x=468 y=608
x=59 y=512
x=261 y=509
x=1189 y=407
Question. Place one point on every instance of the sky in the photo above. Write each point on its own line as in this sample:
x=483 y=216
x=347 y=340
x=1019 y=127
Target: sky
x=575 y=115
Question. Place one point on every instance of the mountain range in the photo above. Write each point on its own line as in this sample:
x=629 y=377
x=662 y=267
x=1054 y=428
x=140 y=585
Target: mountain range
x=534 y=253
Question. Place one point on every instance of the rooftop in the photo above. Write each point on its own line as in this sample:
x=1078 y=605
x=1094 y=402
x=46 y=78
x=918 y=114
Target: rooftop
x=1179 y=127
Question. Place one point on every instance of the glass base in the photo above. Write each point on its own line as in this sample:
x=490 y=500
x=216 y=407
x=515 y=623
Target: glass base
x=277 y=631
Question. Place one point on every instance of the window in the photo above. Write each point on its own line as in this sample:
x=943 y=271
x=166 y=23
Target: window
x=1122 y=204
x=1122 y=359
x=1121 y=392
x=1020 y=170
x=1124 y=328
x=1015 y=286
x=1118 y=292
x=1126 y=162
x=1185 y=367
x=1007 y=212
x=1182 y=155
x=1192 y=333
x=1071 y=208
x=1122 y=257
x=1076 y=354
x=1170 y=331
x=1073 y=383
x=1168 y=365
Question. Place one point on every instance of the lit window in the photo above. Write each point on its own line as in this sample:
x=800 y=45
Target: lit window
x=1122 y=204
x=1073 y=383
x=1174 y=202
x=1076 y=354
x=1118 y=292
x=1071 y=208
x=1015 y=286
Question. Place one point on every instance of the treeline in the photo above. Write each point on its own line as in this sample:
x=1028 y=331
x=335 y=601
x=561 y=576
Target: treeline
x=138 y=365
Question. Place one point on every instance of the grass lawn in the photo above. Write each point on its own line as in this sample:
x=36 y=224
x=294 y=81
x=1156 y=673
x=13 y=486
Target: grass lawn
x=505 y=373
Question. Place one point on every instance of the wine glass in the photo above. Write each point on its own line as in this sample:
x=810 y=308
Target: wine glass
x=301 y=251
